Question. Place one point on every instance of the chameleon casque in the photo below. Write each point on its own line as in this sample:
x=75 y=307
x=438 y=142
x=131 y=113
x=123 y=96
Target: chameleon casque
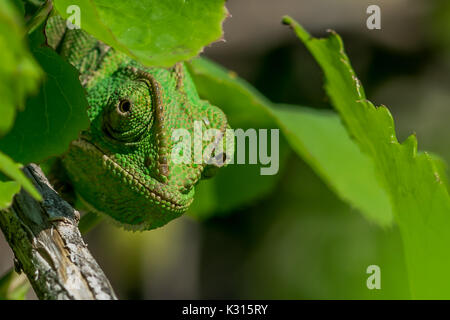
x=121 y=165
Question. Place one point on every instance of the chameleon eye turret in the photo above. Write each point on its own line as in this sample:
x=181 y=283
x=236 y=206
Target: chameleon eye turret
x=128 y=114
x=122 y=166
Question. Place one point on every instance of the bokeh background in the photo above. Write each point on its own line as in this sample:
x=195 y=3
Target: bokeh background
x=298 y=240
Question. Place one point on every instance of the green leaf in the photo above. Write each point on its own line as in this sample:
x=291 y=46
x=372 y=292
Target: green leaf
x=154 y=32
x=54 y=117
x=19 y=72
x=322 y=141
x=318 y=137
x=13 y=286
x=236 y=185
x=20 y=6
x=7 y=191
x=420 y=199
x=12 y=170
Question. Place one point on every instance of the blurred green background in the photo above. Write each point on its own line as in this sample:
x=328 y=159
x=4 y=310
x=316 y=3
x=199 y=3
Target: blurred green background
x=297 y=240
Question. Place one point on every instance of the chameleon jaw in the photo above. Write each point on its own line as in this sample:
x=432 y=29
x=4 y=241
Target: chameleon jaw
x=167 y=201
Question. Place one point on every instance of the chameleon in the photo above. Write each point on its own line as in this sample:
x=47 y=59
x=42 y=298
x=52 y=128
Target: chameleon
x=121 y=165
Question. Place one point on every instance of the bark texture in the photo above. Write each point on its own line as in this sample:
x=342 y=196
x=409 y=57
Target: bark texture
x=48 y=246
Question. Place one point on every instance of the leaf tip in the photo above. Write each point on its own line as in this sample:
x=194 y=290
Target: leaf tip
x=298 y=29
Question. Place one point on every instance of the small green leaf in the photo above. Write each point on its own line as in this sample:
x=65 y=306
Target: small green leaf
x=12 y=170
x=155 y=32
x=13 y=286
x=7 y=191
x=418 y=193
x=54 y=117
x=19 y=72
x=20 y=291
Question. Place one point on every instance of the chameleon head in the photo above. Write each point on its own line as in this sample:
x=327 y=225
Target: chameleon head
x=123 y=165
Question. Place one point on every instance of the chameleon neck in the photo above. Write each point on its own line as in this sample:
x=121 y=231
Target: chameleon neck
x=79 y=48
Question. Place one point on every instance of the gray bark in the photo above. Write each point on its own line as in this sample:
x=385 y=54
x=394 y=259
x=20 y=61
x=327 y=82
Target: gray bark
x=48 y=246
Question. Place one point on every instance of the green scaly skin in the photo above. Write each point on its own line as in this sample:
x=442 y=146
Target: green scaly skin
x=121 y=165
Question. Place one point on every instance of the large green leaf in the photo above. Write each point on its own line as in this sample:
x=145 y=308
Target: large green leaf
x=54 y=117
x=19 y=72
x=419 y=196
x=318 y=137
x=321 y=139
x=155 y=32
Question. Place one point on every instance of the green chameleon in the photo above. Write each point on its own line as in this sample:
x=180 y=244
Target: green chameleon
x=121 y=166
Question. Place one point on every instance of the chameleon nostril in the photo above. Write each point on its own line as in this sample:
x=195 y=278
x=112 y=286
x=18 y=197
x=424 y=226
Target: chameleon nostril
x=187 y=187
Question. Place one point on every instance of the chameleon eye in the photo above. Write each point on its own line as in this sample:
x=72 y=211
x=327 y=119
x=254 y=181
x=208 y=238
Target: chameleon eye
x=124 y=106
x=129 y=113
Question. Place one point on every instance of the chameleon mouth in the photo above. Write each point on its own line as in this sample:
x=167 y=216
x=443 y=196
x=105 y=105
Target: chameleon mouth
x=164 y=199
